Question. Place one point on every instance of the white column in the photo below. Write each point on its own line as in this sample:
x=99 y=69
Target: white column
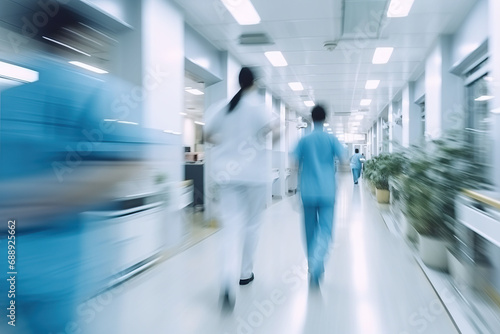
x=443 y=91
x=390 y=119
x=396 y=127
x=380 y=135
x=282 y=149
x=163 y=74
x=411 y=112
x=268 y=97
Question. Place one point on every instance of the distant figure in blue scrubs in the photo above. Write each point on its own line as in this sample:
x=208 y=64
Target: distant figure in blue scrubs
x=316 y=154
x=355 y=162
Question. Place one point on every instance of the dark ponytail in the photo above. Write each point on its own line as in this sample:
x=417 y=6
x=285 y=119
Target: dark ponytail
x=246 y=79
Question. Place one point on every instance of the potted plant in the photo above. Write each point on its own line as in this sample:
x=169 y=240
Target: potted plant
x=386 y=167
x=368 y=173
x=422 y=208
x=433 y=177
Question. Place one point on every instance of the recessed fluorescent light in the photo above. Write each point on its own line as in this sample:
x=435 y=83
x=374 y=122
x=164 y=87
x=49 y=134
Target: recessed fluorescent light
x=382 y=55
x=18 y=73
x=199 y=123
x=309 y=103
x=326 y=124
x=483 y=98
x=172 y=132
x=195 y=91
x=127 y=122
x=243 y=11
x=372 y=84
x=488 y=78
x=88 y=67
x=399 y=8
x=66 y=46
x=82 y=36
x=182 y=114
x=276 y=58
x=359 y=117
x=296 y=86
x=365 y=102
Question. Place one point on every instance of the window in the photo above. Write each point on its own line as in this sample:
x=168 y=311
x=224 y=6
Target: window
x=478 y=120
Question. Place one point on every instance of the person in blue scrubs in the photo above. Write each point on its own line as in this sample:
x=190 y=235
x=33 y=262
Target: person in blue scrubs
x=316 y=154
x=355 y=163
x=57 y=159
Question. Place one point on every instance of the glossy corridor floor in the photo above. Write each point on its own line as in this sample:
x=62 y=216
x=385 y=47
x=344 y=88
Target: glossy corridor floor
x=372 y=284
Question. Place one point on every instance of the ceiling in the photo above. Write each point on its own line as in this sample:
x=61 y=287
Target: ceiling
x=334 y=78
x=73 y=29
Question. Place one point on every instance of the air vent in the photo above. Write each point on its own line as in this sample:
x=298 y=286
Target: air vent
x=365 y=16
x=255 y=39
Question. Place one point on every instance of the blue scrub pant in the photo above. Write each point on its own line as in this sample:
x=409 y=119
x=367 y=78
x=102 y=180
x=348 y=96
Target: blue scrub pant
x=356 y=172
x=318 y=219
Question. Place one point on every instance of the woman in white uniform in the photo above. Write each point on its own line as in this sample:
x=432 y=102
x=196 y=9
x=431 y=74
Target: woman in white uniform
x=241 y=169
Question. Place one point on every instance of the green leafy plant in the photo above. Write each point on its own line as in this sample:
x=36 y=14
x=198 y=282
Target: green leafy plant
x=369 y=169
x=382 y=167
x=434 y=175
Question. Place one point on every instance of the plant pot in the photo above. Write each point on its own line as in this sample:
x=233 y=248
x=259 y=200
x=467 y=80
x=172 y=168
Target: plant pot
x=466 y=272
x=383 y=195
x=433 y=252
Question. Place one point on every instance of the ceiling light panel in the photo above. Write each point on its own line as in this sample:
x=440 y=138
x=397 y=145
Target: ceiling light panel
x=88 y=67
x=365 y=102
x=382 y=55
x=399 y=8
x=372 y=84
x=276 y=58
x=296 y=86
x=243 y=11
x=194 y=91
x=13 y=72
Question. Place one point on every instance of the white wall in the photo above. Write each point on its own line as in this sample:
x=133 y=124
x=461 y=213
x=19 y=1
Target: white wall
x=233 y=71
x=433 y=73
x=411 y=127
x=163 y=73
x=472 y=33
x=443 y=91
x=189 y=133
x=396 y=129
x=292 y=133
x=200 y=52
x=419 y=88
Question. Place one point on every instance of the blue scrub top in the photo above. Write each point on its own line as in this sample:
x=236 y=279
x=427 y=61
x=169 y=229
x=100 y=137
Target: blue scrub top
x=356 y=161
x=316 y=155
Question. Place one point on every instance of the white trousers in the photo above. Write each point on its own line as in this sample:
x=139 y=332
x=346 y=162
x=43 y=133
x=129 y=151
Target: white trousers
x=241 y=207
